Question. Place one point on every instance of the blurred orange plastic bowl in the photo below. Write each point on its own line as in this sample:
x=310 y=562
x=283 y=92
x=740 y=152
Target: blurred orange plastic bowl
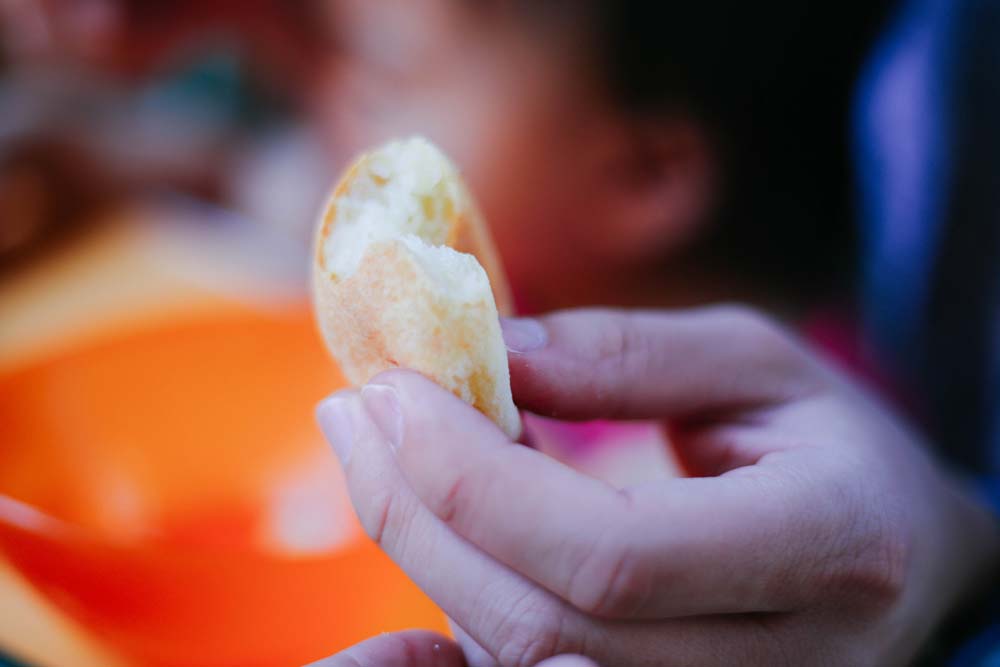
x=168 y=489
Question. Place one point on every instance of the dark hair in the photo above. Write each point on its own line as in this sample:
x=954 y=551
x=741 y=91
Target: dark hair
x=773 y=81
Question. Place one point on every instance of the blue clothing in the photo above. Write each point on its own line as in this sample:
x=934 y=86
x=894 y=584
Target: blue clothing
x=928 y=144
x=928 y=149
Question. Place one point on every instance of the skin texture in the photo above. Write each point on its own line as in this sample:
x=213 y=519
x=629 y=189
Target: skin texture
x=816 y=530
x=419 y=649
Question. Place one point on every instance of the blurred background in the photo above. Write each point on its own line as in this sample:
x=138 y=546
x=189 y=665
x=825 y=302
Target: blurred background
x=165 y=498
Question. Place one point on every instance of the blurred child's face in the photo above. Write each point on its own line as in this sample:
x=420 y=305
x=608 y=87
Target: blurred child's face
x=519 y=113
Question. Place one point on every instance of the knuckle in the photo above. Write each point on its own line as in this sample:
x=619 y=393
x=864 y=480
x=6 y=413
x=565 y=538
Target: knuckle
x=454 y=498
x=466 y=496
x=386 y=518
x=871 y=569
x=882 y=574
x=635 y=348
x=531 y=631
x=618 y=591
x=623 y=352
x=878 y=573
x=610 y=582
x=611 y=342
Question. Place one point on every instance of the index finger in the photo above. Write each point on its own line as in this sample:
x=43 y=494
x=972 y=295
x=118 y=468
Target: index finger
x=593 y=363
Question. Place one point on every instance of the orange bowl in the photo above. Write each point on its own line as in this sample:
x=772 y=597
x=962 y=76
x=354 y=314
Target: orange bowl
x=168 y=489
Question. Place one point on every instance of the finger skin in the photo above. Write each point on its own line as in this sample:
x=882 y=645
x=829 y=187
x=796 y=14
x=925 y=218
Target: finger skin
x=674 y=548
x=505 y=613
x=818 y=494
x=656 y=365
x=413 y=648
x=567 y=661
x=518 y=623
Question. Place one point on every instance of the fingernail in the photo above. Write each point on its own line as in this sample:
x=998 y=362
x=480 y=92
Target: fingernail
x=336 y=420
x=523 y=334
x=382 y=404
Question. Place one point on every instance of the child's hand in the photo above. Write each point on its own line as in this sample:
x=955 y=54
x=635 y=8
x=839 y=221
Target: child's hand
x=416 y=648
x=818 y=533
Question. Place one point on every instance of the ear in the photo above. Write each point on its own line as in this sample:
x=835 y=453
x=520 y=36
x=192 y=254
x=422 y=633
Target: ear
x=662 y=186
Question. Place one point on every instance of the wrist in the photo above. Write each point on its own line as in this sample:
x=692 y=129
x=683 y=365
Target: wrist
x=975 y=535
x=972 y=614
